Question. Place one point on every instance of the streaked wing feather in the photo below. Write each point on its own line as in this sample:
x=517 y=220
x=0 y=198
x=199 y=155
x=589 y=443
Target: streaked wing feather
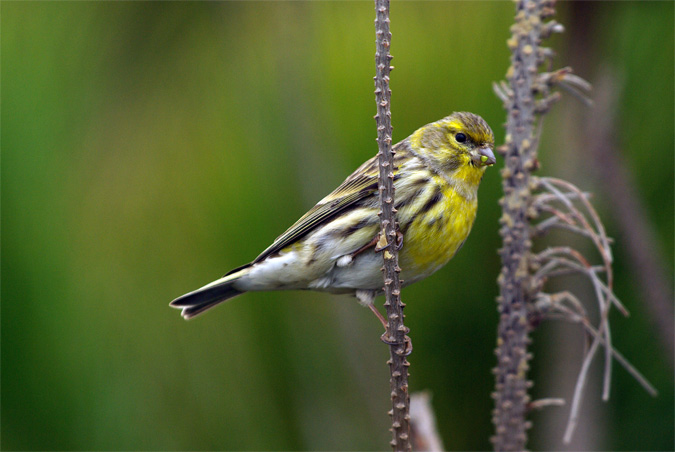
x=361 y=184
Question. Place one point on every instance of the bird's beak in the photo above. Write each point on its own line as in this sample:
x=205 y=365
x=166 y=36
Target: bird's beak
x=484 y=157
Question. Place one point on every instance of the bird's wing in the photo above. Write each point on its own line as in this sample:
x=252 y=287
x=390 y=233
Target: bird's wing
x=361 y=184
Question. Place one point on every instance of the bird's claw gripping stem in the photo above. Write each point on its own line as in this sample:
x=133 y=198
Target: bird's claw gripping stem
x=381 y=244
x=387 y=339
x=399 y=240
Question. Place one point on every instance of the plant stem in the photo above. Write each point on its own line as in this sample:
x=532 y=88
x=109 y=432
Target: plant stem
x=396 y=330
x=511 y=398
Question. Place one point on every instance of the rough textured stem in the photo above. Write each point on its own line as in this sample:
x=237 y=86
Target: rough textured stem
x=396 y=331
x=511 y=398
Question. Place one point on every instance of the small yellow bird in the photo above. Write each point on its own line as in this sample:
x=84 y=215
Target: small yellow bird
x=332 y=248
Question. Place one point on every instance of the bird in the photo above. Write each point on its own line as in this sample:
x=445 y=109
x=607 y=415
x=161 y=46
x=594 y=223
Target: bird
x=334 y=246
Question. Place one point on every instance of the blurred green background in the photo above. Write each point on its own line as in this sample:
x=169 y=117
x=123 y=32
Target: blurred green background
x=147 y=148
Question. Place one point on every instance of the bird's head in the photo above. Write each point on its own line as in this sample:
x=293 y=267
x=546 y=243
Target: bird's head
x=457 y=143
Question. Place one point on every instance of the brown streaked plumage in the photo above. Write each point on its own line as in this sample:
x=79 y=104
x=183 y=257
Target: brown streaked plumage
x=332 y=247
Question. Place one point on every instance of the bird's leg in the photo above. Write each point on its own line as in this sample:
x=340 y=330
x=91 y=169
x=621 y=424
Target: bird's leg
x=370 y=244
x=348 y=259
x=386 y=337
x=382 y=244
x=379 y=316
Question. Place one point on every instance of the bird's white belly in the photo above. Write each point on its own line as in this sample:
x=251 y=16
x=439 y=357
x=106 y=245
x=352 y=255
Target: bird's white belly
x=363 y=272
x=285 y=271
x=288 y=271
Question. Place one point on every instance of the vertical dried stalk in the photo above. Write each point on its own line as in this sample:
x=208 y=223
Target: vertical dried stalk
x=553 y=203
x=511 y=397
x=396 y=331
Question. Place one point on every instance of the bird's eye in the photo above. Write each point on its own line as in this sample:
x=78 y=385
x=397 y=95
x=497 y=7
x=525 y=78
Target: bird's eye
x=460 y=137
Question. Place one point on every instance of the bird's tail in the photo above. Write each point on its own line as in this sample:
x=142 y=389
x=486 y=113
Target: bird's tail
x=203 y=299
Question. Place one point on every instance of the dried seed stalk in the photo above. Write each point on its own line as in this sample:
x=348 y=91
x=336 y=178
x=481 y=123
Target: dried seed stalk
x=552 y=203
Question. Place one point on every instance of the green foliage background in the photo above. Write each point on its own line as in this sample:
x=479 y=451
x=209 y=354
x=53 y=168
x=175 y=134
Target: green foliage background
x=147 y=148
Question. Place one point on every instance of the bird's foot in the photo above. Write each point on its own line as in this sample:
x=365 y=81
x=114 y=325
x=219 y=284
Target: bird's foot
x=370 y=244
x=382 y=244
x=387 y=338
x=407 y=342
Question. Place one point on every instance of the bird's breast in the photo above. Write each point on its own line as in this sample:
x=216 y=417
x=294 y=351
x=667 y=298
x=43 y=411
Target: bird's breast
x=435 y=234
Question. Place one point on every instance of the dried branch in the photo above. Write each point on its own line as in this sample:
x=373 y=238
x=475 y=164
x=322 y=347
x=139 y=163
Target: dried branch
x=555 y=303
x=395 y=336
x=527 y=94
x=558 y=260
x=558 y=204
